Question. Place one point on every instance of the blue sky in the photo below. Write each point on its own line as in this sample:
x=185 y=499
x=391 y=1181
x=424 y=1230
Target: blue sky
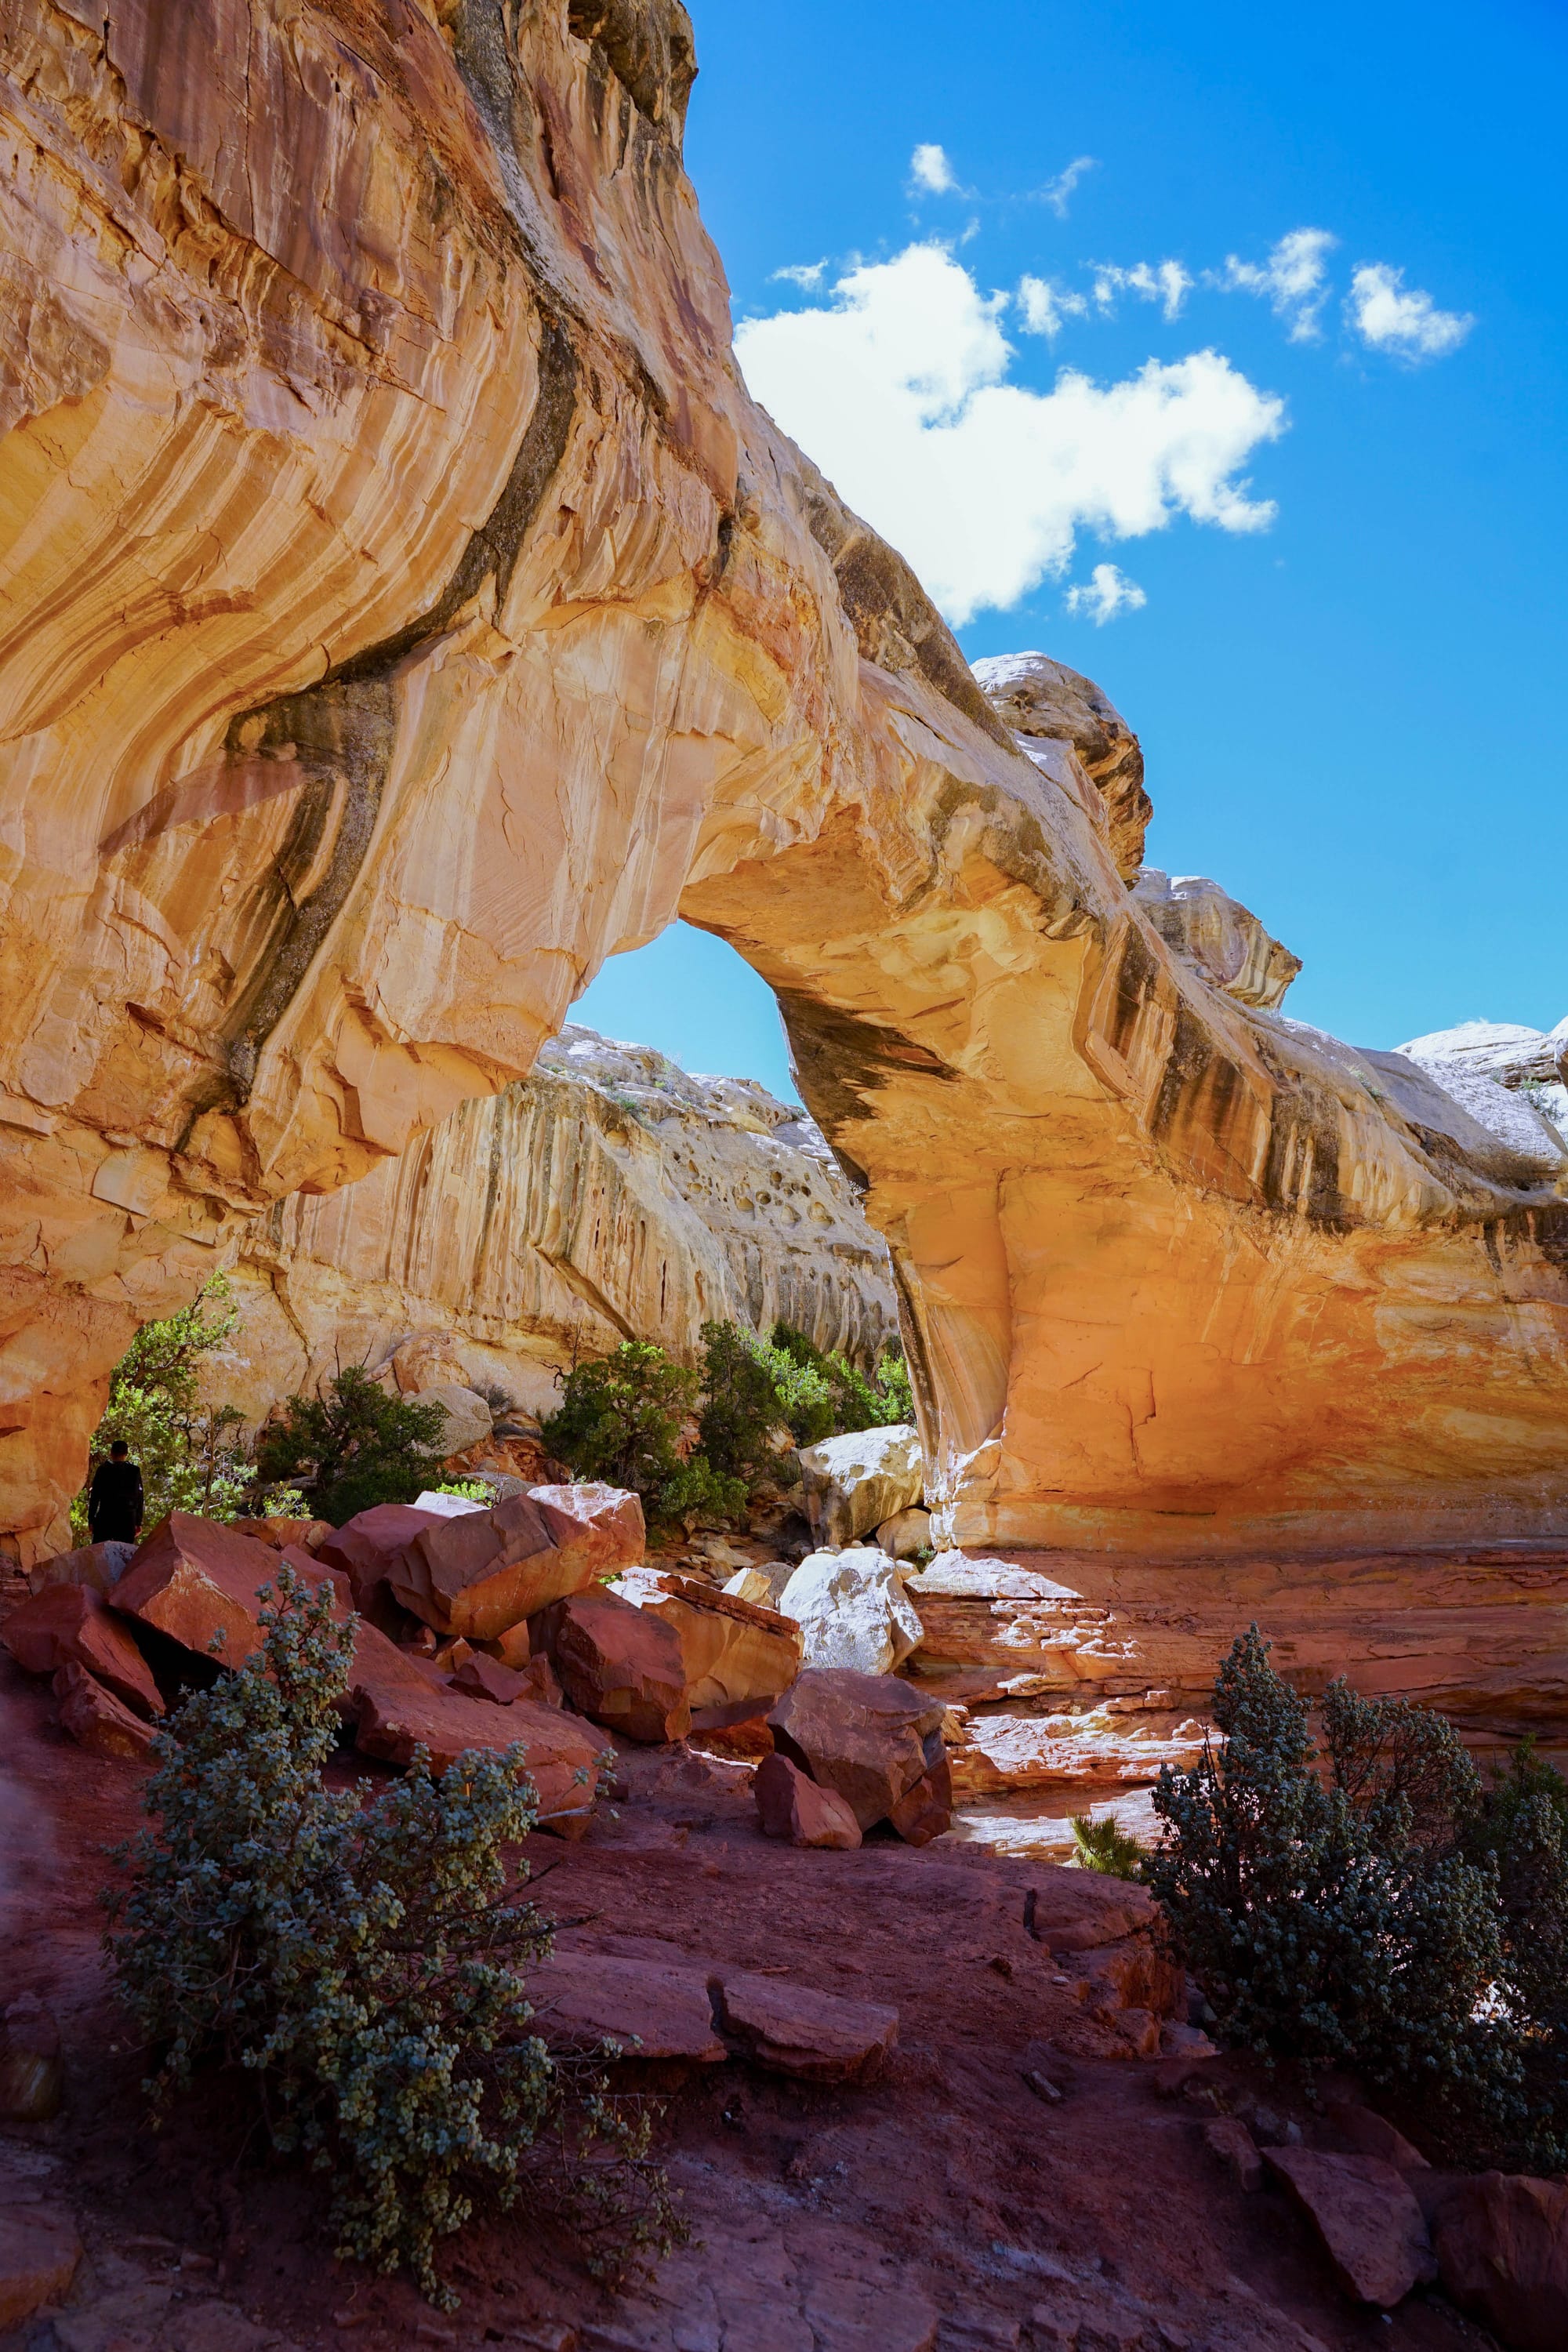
x=1348 y=664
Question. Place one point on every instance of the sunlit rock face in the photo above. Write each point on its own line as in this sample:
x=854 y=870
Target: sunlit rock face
x=402 y=605
x=609 y=1196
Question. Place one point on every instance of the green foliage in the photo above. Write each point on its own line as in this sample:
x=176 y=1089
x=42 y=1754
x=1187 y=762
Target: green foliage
x=741 y=1413
x=1338 y=1921
x=472 y=1490
x=361 y=1955
x=353 y=1446
x=1104 y=1846
x=619 y=1418
x=187 y=1453
x=834 y=1395
x=1520 y=1829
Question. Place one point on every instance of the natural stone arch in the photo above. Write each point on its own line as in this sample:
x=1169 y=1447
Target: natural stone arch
x=406 y=606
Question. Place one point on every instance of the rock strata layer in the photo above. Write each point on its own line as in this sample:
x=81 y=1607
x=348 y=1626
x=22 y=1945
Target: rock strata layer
x=406 y=606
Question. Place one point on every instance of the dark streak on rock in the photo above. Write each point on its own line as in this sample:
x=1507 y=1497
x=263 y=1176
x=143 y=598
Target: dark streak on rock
x=840 y=1061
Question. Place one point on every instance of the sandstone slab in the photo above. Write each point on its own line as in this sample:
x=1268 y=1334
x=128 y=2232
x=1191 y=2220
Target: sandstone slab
x=96 y=1720
x=652 y=2009
x=852 y=1610
x=1366 y=2218
x=1502 y=2254
x=479 y=1676
x=484 y=1572
x=738 y=1654
x=304 y=1534
x=924 y=1811
x=866 y=1735
x=854 y=1482
x=68 y=1624
x=791 y=1805
x=817 y=2037
x=40 y=2252
x=560 y=1755
x=99 y=1566
x=618 y=1665
x=195 y=1580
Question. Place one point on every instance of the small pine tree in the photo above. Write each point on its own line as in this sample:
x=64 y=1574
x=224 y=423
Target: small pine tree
x=1104 y=1846
x=352 y=1446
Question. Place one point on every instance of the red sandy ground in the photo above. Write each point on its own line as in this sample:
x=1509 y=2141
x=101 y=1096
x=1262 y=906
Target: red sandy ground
x=945 y=2207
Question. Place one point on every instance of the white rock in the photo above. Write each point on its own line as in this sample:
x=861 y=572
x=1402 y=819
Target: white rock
x=852 y=1610
x=468 y=1418
x=905 y=1533
x=854 y=1482
x=450 y=1506
x=762 y=1585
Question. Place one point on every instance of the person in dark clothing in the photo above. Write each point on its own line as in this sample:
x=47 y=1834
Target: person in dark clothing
x=114 y=1504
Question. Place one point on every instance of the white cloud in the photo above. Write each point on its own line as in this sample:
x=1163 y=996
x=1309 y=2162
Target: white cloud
x=1168 y=284
x=1057 y=192
x=930 y=169
x=1043 y=306
x=1410 y=325
x=1106 y=593
x=1294 y=280
x=804 y=273
x=897 y=390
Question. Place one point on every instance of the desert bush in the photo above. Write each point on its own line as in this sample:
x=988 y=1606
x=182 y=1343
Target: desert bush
x=1334 y=1918
x=352 y=1446
x=1104 y=1846
x=742 y=1417
x=189 y=1454
x=620 y=1417
x=1521 y=1830
x=362 y=1958
x=834 y=1395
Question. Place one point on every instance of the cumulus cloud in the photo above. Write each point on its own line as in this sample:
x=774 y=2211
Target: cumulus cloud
x=1106 y=593
x=1408 y=324
x=898 y=389
x=1043 y=305
x=1058 y=192
x=1167 y=284
x=930 y=169
x=807 y=274
x=1294 y=280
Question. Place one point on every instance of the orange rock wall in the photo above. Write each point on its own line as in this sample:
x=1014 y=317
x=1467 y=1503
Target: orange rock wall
x=403 y=606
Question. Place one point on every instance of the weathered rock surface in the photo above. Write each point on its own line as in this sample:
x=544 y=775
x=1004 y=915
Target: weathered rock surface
x=1502 y=2254
x=650 y=2009
x=869 y=1736
x=95 y=1719
x=854 y=1482
x=618 y=1665
x=906 y=1533
x=1366 y=2218
x=196 y=1580
x=738 y=1656
x=1217 y=936
x=68 y=1624
x=365 y=1548
x=791 y=1805
x=610 y=1192
x=32 y=2079
x=99 y=1566
x=818 y=2037
x=412 y=607
x=852 y=1610
x=478 y=1572
x=467 y=1419
x=559 y=1752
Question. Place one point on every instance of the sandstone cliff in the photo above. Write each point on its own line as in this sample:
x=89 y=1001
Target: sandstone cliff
x=609 y=1196
x=402 y=605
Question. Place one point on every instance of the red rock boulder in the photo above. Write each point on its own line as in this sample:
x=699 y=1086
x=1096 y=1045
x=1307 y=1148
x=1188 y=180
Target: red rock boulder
x=95 y=1719
x=481 y=1676
x=817 y=2037
x=559 y=1754
x=1366 y=2219
x=484 y=1572
x=363 y=1550
x=739 y=1658
x=791 y=1805
x=651 y=2008
x=69 y=1625
x=306 y=1535
x=100 y=1565
x=870 y=1737
x=618 y=1665
x=1502 y=2253
x=196 y=1578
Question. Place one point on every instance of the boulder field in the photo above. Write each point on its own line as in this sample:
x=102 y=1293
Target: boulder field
x=405 y=606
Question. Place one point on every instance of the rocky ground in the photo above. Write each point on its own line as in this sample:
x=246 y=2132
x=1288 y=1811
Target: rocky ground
x=952 y=2202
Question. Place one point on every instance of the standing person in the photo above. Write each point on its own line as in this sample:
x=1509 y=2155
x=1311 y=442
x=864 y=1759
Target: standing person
x=114 y=1504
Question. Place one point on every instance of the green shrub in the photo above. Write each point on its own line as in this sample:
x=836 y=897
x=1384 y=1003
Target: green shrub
x=1521 y=1830
x=188 y=1454
x=620 y=1417
x=362 y=1958
x=1104 y=1846
x=1339 y=1922
x=741 y=1409
x=834 y=1395
x=352 y=1446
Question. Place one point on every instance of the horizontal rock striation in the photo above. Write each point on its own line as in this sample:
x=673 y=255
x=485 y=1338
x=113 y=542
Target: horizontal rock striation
x=402 y=605
x=609 y=1196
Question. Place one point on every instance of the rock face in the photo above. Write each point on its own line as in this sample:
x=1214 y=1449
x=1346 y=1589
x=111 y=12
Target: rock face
x=1502 y=2252
x=1217 y=936
x=409 y=607
x=610 y=1193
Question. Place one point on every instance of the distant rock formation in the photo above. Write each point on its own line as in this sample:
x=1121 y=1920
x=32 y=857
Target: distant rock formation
x=609 y=1196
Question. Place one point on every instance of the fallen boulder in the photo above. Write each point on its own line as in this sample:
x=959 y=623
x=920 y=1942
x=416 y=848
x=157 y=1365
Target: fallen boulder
x=905 y=1534
x=69 y=1624
x=485 y=1677
x=1502 y=2254
x=99 y=1566
x=1366 y=2218
x=304 y=1534
x=791 y=1805
x=817 y=2037
x=618 y=1665
x=468 y=1419
x=852 y=1610
x=96 y=1720
x=196 y=1580
x=854 y=1482
x=560 y=1755
x=651 y=2010
x=870 y=1737
x=484 y=1572
x=40 y=2252
x=738 y=1656
x=363 y=1550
